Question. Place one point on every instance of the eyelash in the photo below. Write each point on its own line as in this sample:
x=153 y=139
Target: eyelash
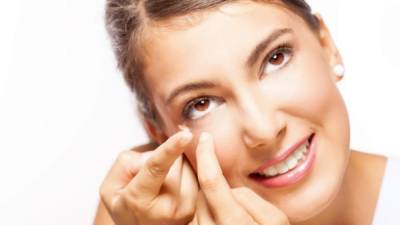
x=285 y=48
x=188 y=107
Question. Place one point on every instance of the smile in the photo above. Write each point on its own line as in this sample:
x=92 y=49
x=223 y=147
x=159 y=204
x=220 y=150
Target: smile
x=289 y=167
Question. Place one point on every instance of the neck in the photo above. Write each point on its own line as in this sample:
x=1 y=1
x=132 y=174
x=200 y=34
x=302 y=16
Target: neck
x=356 y=200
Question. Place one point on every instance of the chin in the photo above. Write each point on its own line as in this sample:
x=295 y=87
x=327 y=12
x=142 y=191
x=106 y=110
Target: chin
x=318 y=191
x=310 y=207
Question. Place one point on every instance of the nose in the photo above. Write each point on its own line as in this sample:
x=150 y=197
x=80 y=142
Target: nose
x=262 y=124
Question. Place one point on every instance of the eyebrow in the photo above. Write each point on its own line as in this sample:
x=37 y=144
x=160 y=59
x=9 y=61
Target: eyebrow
x=255 y=54
x=251 y=60
x=190 y=87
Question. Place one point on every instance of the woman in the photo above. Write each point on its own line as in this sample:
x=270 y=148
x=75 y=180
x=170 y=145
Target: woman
x=265 y=132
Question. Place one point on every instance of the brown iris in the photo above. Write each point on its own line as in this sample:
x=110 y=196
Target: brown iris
x=277 y=58
x=202 y=105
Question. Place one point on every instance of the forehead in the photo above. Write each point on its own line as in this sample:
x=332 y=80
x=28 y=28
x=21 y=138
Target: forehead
x=218 y=40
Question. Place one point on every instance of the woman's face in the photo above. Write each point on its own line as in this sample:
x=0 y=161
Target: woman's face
x=257 y=78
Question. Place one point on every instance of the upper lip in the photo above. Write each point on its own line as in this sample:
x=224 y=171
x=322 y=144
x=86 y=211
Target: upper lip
x=282 y=156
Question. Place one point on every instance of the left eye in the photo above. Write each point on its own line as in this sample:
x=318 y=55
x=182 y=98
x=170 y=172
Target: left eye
x=199 y=107
x=277 y=59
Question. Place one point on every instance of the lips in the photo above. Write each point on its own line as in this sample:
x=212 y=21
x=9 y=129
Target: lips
x=288 y=167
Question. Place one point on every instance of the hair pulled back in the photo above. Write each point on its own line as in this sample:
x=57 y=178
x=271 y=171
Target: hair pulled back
x=126 y=20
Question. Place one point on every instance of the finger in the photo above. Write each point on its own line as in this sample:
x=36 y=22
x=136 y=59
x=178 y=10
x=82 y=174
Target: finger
x=181 y=187
x=172 y=181
x=122 y=171
x=214 y=185
x=194 y=221
x=261 y=210
x=148 y=181
x=203 y=214
x=188 y=190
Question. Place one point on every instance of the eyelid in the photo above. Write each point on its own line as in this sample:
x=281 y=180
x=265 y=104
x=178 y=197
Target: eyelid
x=193 y=101
x=287 y=47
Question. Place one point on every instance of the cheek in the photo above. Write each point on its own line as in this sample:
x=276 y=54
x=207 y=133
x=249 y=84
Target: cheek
x=306 y=90
x=311 y=95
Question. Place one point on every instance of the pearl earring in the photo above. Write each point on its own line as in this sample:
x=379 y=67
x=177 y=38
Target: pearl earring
x=339 y=70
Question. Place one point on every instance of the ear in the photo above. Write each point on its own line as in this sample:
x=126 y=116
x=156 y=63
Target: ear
x=154 y=132
x=332 y=54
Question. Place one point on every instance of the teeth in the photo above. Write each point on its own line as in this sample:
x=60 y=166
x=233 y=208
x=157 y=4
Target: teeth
x=298 y=154
x=288 y=164
x=282 y=167
x=271 y=171
x=291 y=162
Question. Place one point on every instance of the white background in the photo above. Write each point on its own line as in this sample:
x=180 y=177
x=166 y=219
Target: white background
x=65 y=111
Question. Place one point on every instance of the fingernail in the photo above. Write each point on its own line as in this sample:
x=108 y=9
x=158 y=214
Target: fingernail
x=183 y=128
x=186 y=136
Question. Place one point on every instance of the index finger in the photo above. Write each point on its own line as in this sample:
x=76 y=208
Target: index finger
x=148 y=181
x=125 y=167
x=213 y=183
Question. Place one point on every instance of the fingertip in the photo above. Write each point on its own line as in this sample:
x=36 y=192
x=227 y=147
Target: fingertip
x=204 y=136
x=183 y=128
x=185 y=137
x=205 y=142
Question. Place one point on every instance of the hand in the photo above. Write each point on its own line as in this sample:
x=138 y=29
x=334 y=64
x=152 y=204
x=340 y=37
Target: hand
x=161 y=190
x=219 y=204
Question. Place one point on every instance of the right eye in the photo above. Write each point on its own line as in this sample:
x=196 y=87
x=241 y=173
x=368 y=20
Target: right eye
x=199 y=107
x=278 y=58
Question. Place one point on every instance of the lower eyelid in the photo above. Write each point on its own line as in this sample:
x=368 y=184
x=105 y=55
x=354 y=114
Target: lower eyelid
x=289 y=56
x=190 y=104
x=284 y=48
x=186 y=112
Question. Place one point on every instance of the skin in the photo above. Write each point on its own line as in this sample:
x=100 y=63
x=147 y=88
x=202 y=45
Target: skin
x=259 y=111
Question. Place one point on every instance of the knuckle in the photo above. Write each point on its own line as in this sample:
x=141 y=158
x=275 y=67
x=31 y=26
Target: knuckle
x=116 y=204
x=185 y=212
x=156 y=169
x=166 y=214
x=209 y=183
x=124 y=157
x=102 y=191
x=133 y=201
x=132 y=194
x=129 y=161
x=166 y=210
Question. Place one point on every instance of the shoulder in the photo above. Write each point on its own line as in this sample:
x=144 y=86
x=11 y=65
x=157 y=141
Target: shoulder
x=368 y=161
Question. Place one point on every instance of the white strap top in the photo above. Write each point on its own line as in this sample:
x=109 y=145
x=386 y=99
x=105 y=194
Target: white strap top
x=388 y=209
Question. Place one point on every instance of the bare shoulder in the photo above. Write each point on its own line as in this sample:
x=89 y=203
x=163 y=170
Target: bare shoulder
x=369 y=164
x=369 y=158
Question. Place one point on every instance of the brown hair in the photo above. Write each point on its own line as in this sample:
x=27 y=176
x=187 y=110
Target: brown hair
x=125 y=20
